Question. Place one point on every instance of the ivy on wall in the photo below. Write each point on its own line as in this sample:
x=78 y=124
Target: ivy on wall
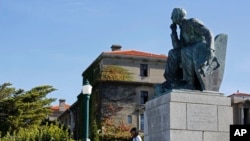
x=114 y=129
x=108 y=72
x=113 y=72
x=92 y=73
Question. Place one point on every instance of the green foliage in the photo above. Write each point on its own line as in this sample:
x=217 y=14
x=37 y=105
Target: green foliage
x=108 y=72
x=21 y=109
x=113 y=72
x=114 y=131
x=93 y=120
x=92 y=73
x=52 y=132
x=95 y=136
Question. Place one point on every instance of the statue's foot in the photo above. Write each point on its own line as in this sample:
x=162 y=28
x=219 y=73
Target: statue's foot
x=166 y=85
x=159 y=90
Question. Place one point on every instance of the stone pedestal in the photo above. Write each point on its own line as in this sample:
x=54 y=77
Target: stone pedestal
x=183 y=115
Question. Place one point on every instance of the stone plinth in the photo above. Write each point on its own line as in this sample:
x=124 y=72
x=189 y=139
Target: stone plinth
x=183 y=115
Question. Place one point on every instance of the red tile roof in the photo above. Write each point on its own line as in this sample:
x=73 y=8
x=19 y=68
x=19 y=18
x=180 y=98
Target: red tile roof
x=56 y=108
x=137 y=53
x=239 y=94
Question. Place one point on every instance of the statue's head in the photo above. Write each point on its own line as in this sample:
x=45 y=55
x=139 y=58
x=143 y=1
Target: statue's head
x=178 y=14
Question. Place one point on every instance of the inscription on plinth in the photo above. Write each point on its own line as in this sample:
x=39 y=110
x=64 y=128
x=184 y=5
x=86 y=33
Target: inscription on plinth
x=202 y=117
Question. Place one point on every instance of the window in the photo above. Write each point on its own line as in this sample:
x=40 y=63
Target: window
x=246 y=116
x=142 y=122
x=144 y=70
x=129 y=119
x=144 y=97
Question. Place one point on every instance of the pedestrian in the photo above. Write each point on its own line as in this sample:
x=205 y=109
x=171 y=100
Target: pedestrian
x=135 y=134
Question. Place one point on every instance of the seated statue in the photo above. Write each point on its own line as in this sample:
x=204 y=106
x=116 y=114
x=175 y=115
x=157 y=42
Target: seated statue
x=197 y=60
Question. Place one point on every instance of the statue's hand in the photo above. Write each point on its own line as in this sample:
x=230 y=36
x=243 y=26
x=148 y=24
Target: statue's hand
x=173 y=27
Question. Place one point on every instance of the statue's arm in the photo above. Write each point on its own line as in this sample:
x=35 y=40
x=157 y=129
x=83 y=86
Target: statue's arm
x=174 y=36
x=205 y=32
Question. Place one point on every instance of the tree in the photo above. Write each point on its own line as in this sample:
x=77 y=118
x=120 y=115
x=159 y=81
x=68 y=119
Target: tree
x=23 y=109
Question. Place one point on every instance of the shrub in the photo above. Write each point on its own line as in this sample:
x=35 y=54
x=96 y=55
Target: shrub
x=52 y=132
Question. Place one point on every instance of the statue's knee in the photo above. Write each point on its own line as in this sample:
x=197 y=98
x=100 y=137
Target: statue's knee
x=187 y=53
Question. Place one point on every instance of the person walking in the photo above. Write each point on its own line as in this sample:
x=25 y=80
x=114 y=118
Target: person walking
x=135 y=134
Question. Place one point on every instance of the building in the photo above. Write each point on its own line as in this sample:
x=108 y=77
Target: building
x=241 y=108
x=58 y=110
x=123 y=81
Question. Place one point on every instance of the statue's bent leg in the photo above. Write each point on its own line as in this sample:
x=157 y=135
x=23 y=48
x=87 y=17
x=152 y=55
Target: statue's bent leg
x=172 y=64
x=172 y=67
x=188 y=67
x=201 y=54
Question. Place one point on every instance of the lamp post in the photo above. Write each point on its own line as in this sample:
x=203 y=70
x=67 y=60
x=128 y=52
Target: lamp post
x=86 y=92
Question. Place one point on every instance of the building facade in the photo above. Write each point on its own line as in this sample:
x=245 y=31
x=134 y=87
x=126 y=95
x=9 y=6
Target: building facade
x=57 y=110
x=123 y=81
x=241 y=108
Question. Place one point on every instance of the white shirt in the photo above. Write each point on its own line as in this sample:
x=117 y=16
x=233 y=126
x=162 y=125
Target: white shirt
x=137 y=138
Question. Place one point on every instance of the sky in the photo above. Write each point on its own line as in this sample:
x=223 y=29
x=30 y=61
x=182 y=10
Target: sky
x=51 y=42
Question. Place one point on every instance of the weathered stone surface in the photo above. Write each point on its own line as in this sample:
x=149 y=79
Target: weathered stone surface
x=175 y=135
x=188 y=116
x=159 y=136
x=157 y=101
x=178 y=119
x=225 y=117
x=189 y=96
x=157 y=117
x=200 y=97
x=146 y=138
x=202 y=117
x=184 y=135
x=216 y=136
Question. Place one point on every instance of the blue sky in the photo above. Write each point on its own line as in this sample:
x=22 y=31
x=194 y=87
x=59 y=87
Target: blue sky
x=53 y=41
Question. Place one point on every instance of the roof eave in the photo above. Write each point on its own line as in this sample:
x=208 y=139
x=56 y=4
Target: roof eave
x=158 y=59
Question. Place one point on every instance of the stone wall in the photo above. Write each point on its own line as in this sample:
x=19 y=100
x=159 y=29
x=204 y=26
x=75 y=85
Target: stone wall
x=188 y=116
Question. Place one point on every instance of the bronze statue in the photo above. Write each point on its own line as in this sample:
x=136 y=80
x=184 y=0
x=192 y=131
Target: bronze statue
x=195 y=62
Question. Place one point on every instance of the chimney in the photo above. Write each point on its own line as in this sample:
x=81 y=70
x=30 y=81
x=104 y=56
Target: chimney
x=61 y=105
x=116 y=47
